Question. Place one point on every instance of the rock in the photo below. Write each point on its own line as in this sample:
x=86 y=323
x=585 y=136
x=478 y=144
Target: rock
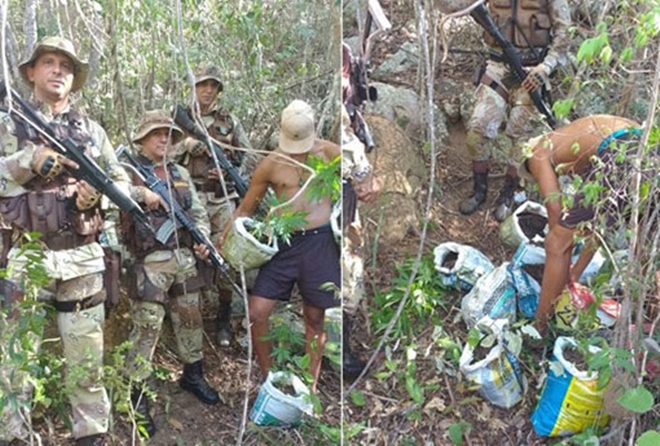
x=405 y=59
x=401 y=105
x=402 y=166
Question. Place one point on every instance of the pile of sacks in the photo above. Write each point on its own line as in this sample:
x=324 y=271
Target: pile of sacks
x=495 y=298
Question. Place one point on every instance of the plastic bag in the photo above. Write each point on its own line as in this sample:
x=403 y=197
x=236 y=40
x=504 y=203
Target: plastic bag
x=242 y=248
x=492 y=295
x=468 y=264
x=276 y=408
x=528 y=289
x=570 y=402
x=498 y=375
x=576 y=298
x=512 y=233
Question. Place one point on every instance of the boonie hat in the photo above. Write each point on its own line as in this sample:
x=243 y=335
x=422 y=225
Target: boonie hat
x=297 y=133
x=156 y=119
x=205 y=72
x=54 y=44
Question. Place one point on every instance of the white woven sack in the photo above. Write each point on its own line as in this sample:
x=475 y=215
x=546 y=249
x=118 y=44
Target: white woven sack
x=242 y=249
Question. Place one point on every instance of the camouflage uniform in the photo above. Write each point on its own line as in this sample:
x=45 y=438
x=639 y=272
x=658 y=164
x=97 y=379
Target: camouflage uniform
x=165 y=274
x=73 y=257
x=225 y=128
x=355 y=170
x=545 y=25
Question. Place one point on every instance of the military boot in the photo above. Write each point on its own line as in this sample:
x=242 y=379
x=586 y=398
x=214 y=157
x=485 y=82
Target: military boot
x=224 y=335
x=92 y=440
x=479 y=194
x=504 y=201
x=194 y=382
x=351 y=365
x=140 y=402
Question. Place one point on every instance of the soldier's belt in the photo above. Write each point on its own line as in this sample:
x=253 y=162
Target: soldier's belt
x=496 y=86
x=79 y=305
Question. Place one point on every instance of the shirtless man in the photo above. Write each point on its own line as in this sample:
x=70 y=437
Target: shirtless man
x=583 y=148
x=312 y=256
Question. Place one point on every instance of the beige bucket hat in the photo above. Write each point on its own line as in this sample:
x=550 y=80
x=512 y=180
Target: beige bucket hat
x=54 y=44
x=297 y=133
x=156 y=119
x=205 y=72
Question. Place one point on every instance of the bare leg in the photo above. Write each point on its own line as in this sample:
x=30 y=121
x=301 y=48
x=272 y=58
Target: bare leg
x=590 y=247
x=259 y=310
x=558 y=246
x=315 y=339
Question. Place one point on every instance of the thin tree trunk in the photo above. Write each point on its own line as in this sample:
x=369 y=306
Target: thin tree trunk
x=30 y=25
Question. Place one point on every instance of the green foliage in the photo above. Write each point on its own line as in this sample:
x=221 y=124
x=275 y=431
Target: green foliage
x=326 y=181
x=424 y=304
x=649 y=438
x=457 y=432
x=596 y=47
x=637 y=399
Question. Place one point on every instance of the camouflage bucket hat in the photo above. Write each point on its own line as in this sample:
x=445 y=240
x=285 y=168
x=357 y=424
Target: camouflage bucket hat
x=156 y=119
x=53 y=44
x=205 y=72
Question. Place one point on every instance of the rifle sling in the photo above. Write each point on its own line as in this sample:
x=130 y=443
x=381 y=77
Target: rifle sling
x=495 y=86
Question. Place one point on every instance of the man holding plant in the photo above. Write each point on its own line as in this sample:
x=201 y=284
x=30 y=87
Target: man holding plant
x=591 y=148
x=311 y=257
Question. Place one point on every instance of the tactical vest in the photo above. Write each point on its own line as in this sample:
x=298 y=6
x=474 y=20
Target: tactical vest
x=141 y=241
x=49 y=206
x=220 y=126
x=524 y=23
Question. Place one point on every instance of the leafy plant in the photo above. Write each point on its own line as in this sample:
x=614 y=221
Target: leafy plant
x=424 y=305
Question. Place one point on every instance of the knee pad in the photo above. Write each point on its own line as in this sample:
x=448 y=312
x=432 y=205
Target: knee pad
x=474 y=142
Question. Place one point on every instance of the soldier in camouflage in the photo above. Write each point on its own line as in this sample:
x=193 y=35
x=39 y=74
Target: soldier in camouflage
x=38 y=194
x=166 y=274
x=539 y=30
x=195 y=156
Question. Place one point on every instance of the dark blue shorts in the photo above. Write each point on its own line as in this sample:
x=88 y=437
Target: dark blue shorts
x=611 y=173
x=310 y=260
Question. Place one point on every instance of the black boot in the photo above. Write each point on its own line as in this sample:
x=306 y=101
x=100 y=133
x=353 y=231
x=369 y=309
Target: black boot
x=223 y=336
x=140 y=402
x=351 y=365
x=194 y=382
x=504 y=201
x=479 y=193
x=92 y=440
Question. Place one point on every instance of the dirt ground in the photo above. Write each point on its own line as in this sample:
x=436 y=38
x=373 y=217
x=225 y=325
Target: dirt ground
x=180 y=418
x=448 y=400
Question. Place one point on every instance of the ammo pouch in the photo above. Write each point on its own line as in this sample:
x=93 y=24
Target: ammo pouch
x=205 y=276
x=112 y=261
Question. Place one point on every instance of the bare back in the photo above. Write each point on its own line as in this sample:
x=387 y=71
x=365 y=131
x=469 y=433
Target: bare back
x=571 y=147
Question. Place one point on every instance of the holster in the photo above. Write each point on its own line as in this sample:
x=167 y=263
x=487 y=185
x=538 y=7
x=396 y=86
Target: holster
x=349 y=203
x=112 y=261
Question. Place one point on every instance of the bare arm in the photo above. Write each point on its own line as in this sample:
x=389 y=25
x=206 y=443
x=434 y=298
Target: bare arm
x=258 y=188
x=540 y=166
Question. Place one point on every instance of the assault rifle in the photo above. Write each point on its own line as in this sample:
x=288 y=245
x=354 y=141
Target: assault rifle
x=510 y=54
x=155 y=184
x=87 y=169
x=359 y=73
x=182 y=118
